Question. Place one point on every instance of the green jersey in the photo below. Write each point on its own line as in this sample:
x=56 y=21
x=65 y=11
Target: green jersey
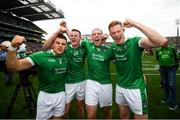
x=51 y=70
x=76 y=70
x=21 y=55
x=128 y=63
x=166 y=56
x=98 y=59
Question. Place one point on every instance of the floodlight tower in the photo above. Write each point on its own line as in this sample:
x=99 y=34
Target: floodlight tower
x=177 y=24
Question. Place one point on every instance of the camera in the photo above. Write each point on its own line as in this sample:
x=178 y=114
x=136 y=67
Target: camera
x=24 y=74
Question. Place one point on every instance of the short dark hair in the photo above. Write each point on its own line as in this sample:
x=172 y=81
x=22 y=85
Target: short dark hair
x=76 y=30
x=62 y=37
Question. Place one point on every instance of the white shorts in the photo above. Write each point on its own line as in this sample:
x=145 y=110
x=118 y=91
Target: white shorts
x=50 y=104
x=98 y=93
x=136 y=99
x=76 y=89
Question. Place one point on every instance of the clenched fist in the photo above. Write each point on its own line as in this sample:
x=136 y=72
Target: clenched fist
x=17 y=41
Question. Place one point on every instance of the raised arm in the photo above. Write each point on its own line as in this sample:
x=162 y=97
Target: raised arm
x=152 y=39
x=104 y=37
x=12 y=62
x=63 y=24
x=63 y=29
x=48 y=43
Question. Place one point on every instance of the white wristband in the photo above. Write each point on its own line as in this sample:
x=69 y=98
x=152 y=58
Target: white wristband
x=11 y=48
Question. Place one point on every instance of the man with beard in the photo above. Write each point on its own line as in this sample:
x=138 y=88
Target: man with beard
x=99 y=84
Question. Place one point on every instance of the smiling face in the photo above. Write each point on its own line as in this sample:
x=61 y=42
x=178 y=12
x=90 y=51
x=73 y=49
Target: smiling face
x=116 y=32
x=75 y=37
x=96 y=37
x=59 y=45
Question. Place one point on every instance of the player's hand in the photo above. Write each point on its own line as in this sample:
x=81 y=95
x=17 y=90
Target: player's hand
x=17 y=41
x=63 y=23
x=5 y=44
x=63 y=29
x=128 y=23
x=3 y=47
x=105 y=36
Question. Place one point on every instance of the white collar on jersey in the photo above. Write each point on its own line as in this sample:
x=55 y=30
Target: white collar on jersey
x=53 y=52
x=125 y=39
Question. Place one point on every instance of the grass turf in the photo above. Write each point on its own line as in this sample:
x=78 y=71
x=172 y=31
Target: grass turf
x=157 y=110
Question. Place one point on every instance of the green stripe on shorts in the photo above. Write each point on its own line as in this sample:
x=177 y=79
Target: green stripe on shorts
x=144 y=101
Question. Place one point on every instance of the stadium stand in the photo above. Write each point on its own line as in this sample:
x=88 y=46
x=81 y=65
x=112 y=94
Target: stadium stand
x=11 y=25
x=17 y=16
x=32 y=9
